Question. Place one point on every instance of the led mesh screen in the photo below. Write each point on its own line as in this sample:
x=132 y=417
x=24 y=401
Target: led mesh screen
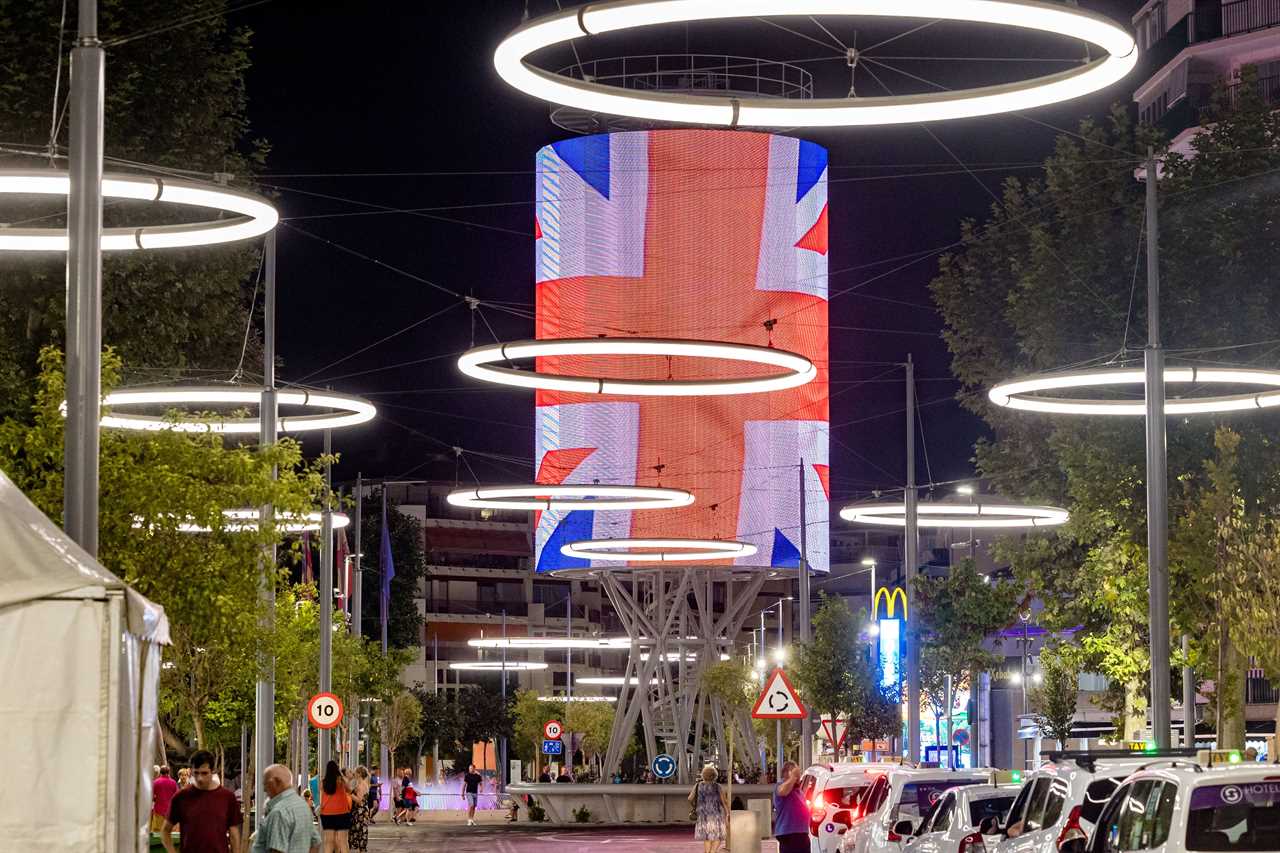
x=700 y=234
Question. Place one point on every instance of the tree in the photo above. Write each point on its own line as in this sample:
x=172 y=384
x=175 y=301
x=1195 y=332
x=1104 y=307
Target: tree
x=1045 y=282
x=484 y=716
x=1054 y=698
x=592 y=720
x=837 y=676
x=208 y=583
x=529 y=714
x=404 y=621
x=1255 y=601
x=441 y=722
x=175 y=100
x=729 y=684
x=398 y=720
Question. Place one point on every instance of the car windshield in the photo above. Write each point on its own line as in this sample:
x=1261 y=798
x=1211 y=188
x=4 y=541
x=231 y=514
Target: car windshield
x=1243 y=816
x=841 y=798
x=1095 y=798
x=996 y=807
x=918 y=797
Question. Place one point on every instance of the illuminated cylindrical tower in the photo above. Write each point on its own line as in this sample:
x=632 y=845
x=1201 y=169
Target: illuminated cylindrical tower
x=693 y=234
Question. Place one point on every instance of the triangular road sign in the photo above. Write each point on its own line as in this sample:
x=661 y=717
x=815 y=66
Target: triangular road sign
x=834 y=730
x=778 y=701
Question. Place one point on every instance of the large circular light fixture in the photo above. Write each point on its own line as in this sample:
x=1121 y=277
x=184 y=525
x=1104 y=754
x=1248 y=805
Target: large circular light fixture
x=595 y=18
x=252 y=215
x=571 y=497
x=1025 y=392
x=611 y=680
x=498 y=666
x=551 y=643
x=940 y=515
x=577 y=698
x=246 y=520
x=657 y=550
x=477 y=363
x=352 y=410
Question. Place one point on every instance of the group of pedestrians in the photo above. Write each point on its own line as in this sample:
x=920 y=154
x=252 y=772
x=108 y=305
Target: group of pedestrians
x=208 y=817
x=710 y=805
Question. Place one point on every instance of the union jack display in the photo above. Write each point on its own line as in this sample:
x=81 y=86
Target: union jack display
x=700 y=234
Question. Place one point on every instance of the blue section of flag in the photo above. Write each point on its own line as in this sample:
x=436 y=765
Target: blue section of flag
x=388 y=565
x=589 y=157
x=812 y=163
x=785 y=555
x=574 y=527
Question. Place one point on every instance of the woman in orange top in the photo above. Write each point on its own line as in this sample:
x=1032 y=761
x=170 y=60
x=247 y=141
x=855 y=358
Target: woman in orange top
x=335 y=809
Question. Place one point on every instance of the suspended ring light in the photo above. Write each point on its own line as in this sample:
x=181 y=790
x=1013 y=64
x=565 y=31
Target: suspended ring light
x=477 y=363
x=246 y=520
x=571 y=497
x=551 y=643
x=254 y=214
x=596 y=18
x=577 y=698
x=611 y=680
x=497 y=665
x=353 y=410
x=1023 y=393
x=941 y=515
x=657 y=550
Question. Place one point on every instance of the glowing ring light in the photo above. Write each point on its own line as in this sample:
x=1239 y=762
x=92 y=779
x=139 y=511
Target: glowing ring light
x=551 y=643
x=246 y=520
x=497 y=666
x=1023 y=393
x=571 y=497
x=957 y=515
x=354 y=410
x=596 y=18
x=672 y=550
x=476 y=364
x=255 y=215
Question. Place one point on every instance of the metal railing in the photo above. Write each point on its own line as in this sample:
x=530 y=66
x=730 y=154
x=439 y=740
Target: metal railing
x=697 y=73
x=1268 y=88
x=1245 y=16
x=1260 y=691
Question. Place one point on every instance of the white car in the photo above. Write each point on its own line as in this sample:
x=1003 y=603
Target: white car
x=829 y=790
x=1061 y=800
x=892 y=807
x=1181 y=807
x=956 y=823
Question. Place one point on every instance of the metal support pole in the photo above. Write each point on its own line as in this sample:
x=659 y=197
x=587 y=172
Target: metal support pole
x=84 y=284
x=324 y=740
x=568 y=677
x=778 y=659
x=951 y=699
x=1188 y=696
x=264 y=741
x=806 y=725
x=356 y=599
x=1157 y=481
x=435 y=688
x=910 y=562
x=502 y=744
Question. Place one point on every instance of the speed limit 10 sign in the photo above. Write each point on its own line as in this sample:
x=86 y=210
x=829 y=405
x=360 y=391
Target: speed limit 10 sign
x=324 y=710
x=553 y=729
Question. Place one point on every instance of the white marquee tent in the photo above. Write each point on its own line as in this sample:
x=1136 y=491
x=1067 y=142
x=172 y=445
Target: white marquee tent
x=79 y=665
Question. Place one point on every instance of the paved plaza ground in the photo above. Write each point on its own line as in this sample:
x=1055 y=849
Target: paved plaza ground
x=453 y=836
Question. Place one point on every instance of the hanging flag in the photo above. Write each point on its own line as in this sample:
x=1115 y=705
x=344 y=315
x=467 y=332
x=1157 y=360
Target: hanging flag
x=308 y=574
x=342 y=560
x=388 y=570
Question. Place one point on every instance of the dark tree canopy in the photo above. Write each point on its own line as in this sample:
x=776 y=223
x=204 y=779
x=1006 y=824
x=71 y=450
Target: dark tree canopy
x=404 y=622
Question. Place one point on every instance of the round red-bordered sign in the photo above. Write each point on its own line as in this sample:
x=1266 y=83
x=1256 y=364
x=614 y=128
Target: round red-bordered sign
x=553 y=730
x=324 y=710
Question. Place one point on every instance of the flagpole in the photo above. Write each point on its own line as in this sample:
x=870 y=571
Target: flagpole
x=355 y=598
x=384 y=599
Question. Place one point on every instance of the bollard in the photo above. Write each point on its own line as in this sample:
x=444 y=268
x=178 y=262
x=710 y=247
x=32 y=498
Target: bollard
x=744 y=832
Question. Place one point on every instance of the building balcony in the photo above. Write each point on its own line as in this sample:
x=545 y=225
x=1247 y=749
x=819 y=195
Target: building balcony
x=1197 y=108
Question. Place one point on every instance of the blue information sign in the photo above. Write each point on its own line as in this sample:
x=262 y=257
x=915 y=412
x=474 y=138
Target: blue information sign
x=552 y=747
x=664 y=766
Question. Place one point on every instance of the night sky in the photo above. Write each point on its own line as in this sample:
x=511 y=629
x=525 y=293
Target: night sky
x=354 y=97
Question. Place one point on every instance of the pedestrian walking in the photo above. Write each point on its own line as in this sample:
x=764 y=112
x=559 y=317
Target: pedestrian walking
x=471 y=792
x=791 y=813
x=711 y=810
x=397 y=798
x=335 y=809
x=410 y=802
x=358 y=836
x=184 y=778
x=208 y=813
x=162 y=792
x=288 y=825
x=375 y=796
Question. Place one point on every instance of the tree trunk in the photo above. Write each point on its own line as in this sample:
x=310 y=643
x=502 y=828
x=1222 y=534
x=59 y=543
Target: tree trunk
x=197 y=723
x=1231 y=698
x=1135 y=717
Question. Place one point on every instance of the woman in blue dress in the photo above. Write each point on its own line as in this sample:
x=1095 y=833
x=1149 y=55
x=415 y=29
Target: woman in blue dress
x=711 y=805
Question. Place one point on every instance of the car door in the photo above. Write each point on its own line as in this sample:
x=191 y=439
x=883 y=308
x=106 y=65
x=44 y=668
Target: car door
x=1026 y=818
x=934 y=827
x=1137 y=818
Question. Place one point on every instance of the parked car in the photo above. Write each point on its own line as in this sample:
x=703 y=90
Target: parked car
x=893 y=806
x=964 y=820
x=1182 y=807
x=1060 y=801
x=831 y=791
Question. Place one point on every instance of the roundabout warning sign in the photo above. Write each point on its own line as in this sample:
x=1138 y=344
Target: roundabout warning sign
x=778 y=701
